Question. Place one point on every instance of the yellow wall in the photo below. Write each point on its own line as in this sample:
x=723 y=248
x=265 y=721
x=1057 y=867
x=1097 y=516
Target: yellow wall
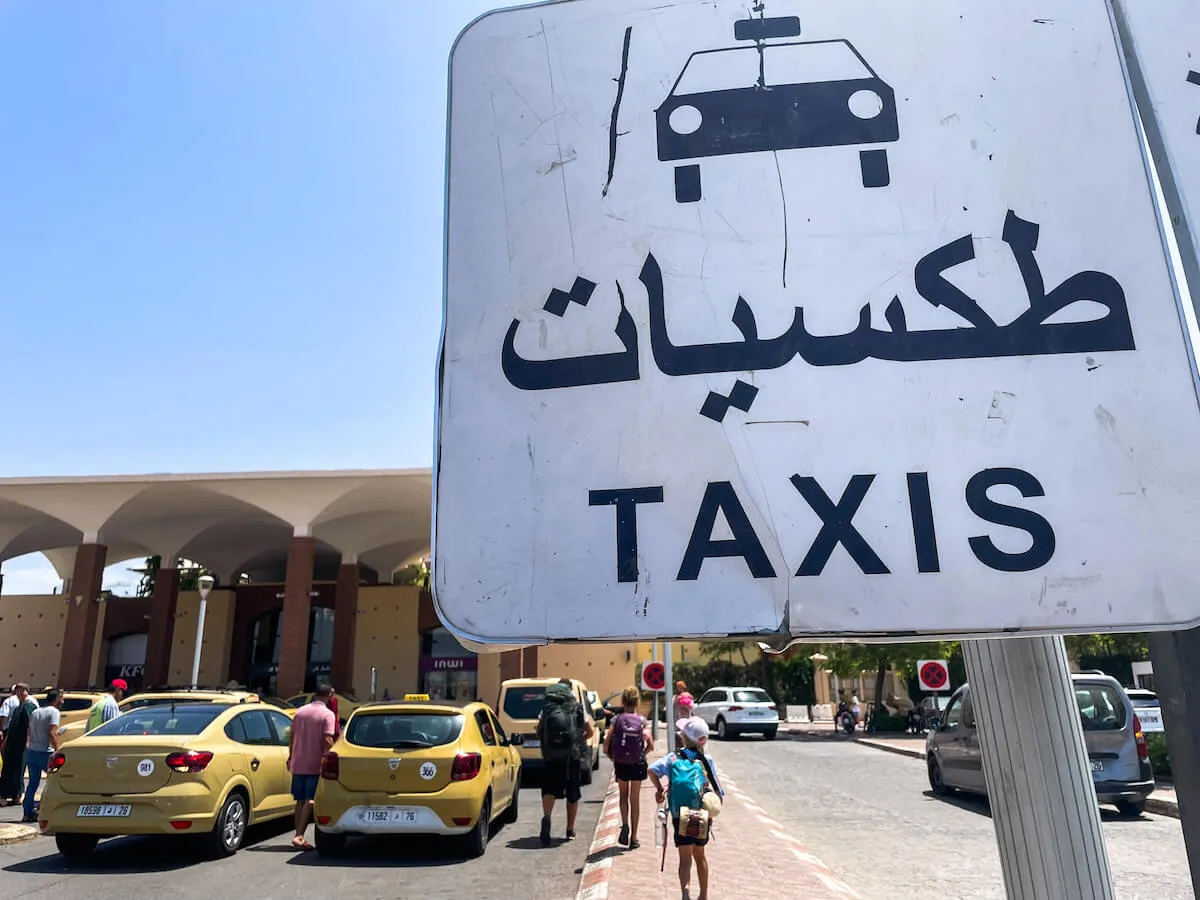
x=214 y=647
x=386 y=637
x=489 y=678
x=604 y=668
x=31 y=635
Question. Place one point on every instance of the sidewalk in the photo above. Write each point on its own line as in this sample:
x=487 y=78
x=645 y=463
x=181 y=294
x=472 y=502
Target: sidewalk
x=750 y=855
x=1162 y=802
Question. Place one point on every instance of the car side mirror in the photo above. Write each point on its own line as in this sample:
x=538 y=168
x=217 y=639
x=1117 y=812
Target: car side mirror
x=516 y=740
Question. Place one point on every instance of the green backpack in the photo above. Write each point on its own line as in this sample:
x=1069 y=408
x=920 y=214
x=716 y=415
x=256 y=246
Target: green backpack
x=560 y=729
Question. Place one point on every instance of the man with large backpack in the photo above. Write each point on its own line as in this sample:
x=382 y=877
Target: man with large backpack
x=627 y=743
x=564 y=732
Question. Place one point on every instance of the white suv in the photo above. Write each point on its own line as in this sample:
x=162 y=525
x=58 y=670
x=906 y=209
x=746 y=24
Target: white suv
x=739 y=710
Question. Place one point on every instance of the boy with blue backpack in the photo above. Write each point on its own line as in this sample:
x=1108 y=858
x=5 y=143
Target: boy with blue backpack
x=626 y=744
x=691 y=775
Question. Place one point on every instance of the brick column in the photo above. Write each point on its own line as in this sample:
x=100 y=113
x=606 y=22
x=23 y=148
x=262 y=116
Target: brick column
x=297 y=604
x=345 y=622
x=531 y=660
x=79 y=636
x=163 y=605
x=510 y=664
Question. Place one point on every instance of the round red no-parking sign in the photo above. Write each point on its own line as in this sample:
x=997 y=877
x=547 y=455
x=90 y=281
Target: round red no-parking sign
x=654 y=676
x=934 y=674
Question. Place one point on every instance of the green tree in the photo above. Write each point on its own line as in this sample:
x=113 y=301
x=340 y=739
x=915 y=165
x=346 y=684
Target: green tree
x=189 y=575
x=718 y=649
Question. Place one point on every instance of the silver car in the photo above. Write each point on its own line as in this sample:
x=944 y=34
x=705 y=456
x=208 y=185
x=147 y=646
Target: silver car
x=1112 y=733
x=731 y=711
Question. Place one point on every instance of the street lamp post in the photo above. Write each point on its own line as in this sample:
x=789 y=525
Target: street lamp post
x=205 y=583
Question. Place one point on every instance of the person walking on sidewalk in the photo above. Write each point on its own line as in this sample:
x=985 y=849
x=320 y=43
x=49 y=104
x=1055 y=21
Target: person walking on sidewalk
x=43 y=740
x=689 y=773
x=14 y=739
x=626 y=744
x=564 y=732
x=310 y=738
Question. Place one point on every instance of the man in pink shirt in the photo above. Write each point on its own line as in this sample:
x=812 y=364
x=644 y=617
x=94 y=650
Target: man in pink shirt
x=313 y=730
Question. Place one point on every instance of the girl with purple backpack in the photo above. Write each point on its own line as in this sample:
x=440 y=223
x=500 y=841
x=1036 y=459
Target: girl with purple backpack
x=626 y=744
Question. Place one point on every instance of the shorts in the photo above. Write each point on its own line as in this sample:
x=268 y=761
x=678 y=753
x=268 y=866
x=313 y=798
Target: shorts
x=630 y=771
x=685 y=841
x=304 y=787
x=561 y=780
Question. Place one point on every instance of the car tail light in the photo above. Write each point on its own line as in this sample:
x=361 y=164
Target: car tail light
x=736 y=708
x=462 y=820
x=57 y=761
x=1140 y=739
x=331 y=767
x=181 y=824
x=189 y=761
x=324 y=820
x=466 y=766
x=772 y=707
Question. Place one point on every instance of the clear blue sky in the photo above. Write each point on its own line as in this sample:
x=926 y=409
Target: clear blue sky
x=221 y=232
x=220 y=235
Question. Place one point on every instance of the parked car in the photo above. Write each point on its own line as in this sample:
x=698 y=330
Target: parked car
x=440 y=767
x=1148 y=710
x=521 y=702
x=734 y=711
x=204 y=769
x=1116 y=746
x=165 y=696
x=75 y=707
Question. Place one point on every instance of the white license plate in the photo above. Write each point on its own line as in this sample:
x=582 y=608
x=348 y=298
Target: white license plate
x=533 y=745
x=1097 y=765
x=103 y=811
x=758 y=712
x=388 y=815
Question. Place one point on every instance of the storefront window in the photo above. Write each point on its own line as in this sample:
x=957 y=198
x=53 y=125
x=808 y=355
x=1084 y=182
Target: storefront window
x=448 y=670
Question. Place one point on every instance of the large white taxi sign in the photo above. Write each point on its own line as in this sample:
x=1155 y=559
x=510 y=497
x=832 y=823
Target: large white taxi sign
x=795 y=318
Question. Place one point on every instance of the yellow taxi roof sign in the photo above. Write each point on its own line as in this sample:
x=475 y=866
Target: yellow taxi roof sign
x=412 y=698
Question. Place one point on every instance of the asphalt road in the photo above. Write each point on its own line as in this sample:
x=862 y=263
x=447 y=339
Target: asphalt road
x=267 y=868
x=869 y=816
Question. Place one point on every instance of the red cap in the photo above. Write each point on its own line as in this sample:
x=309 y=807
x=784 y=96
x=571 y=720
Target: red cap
x=120 y=684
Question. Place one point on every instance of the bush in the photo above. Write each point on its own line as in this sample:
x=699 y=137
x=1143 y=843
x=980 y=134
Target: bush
x=1160 y=761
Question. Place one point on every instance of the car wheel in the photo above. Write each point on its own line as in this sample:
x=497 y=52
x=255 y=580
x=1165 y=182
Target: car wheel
x=936 y=782
x=1131 y=809
x=329 y=844
x=722 y=730
x=75 y=847
x=476 y=842
x=770 y=733
x=513 y=812
x=230 y=829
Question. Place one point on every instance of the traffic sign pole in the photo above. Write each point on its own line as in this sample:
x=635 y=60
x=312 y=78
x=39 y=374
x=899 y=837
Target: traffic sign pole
x=654 y=724
x=1039 y=782
x=670 y=698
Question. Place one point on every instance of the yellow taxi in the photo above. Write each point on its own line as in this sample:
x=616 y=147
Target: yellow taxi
x=78 y=727
x=418 y=767
x=521 y=702
x=75 y=706
x=181 y=768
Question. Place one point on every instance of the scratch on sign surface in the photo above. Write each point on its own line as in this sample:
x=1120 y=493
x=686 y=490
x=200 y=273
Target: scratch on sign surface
x=616 y=112
x=783 y=196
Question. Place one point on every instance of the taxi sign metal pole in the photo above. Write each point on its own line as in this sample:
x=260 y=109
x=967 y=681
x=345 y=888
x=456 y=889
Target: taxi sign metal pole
x=1039 y=783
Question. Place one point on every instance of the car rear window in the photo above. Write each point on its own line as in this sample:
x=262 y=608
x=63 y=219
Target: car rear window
x=751 y=697
x=160 y=720
x=524 y=702
x=1100 y=707
x=142 y=702
x=76 y=704
x=1142 y=702
x=399 y=730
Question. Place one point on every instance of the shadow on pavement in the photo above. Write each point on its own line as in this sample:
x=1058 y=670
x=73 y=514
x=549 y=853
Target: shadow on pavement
x=969 y=802
x=130 y=855
x=390 y=851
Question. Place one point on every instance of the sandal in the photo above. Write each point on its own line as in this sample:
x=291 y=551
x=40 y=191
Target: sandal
x=300 y=843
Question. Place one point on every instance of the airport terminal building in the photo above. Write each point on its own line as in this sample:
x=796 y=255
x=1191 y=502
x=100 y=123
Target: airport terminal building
x=304 y=562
